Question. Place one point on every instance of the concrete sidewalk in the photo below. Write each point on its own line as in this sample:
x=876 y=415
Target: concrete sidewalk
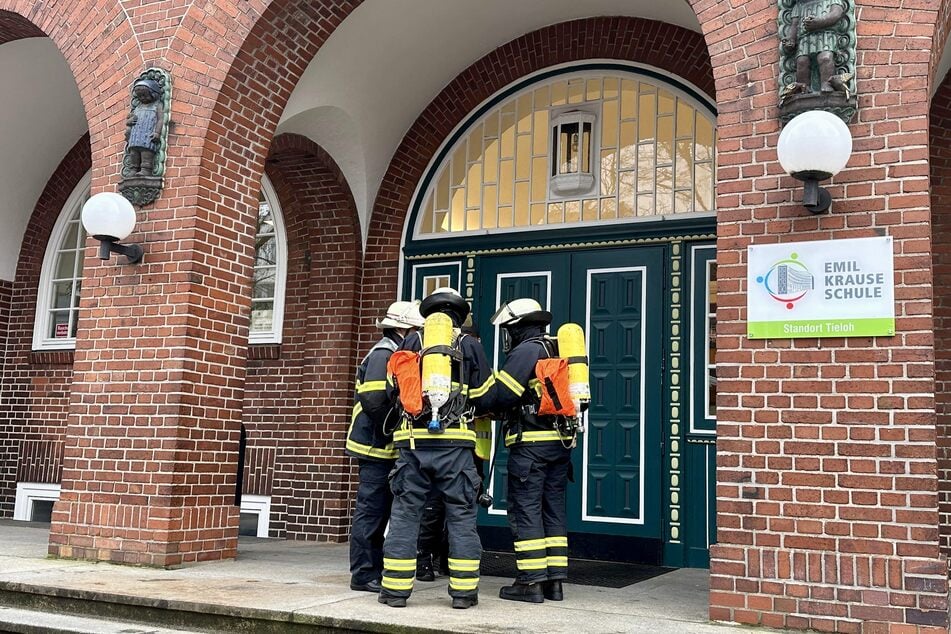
x=285 y=586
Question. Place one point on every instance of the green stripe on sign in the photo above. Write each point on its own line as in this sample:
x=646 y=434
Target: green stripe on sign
x=798 y=329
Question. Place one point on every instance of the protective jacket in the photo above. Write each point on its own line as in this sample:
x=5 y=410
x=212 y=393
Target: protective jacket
x=475 y=376
x=539 y=461
x=516 y=393
x=367 y=438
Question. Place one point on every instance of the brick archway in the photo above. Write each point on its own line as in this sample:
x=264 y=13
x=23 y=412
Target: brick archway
x=296 y=405
x=35 y=409
x=670 y=48
x=940 y=160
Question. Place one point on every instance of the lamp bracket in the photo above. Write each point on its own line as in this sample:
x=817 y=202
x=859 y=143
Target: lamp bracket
x=108 y=246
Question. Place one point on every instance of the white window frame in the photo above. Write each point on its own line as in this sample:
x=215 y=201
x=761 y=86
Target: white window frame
x=28 y=493
x=413 y=231
x=274 y=334
x=41 y=320
x=259 y=505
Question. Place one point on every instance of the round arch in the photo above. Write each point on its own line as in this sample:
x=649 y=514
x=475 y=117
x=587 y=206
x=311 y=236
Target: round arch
x=674 y=50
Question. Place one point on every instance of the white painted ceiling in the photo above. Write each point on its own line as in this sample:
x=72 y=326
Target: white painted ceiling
x=387 y=60
x=41 y=118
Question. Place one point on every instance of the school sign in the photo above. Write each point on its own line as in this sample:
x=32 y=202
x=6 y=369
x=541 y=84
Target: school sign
x=829 y=288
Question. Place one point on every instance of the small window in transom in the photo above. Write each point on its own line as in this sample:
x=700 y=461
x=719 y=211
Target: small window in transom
x=432 y=282
x=572 y=140
x=576 y=148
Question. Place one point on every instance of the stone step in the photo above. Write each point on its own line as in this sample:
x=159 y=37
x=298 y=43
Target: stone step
x=22 y=621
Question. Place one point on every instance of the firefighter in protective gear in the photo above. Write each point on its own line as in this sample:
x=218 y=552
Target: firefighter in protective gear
x=539 y=456
x=432 y=557
x=372 y=445
x=441 y=463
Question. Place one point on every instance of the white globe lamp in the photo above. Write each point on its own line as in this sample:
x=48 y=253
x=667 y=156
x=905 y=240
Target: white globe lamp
x=109 y=218
x=814 y=146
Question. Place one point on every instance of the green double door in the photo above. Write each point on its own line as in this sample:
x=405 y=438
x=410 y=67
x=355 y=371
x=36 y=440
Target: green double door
x=617 y=296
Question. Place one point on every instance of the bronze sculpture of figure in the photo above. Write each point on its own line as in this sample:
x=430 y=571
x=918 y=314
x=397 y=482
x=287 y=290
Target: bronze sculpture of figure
x=143 y=164
x=144 y=125
x=817 y=57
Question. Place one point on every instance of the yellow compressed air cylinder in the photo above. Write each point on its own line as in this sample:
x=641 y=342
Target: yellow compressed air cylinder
x=437 y=367
x=571 y=346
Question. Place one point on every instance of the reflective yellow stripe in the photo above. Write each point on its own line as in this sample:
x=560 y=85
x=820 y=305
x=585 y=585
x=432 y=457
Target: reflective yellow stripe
x=560 y=562
x=386 y=453
x=464 y=565
x=508 y=381
x=482 y=389
x=371 y=386
x=357 y=409
x=556 y=542
x=400 y=565
x=536 y=436
x=532 y=564
x=530 y=544
x=449 y=434
x=463 y=584
x=397 y=584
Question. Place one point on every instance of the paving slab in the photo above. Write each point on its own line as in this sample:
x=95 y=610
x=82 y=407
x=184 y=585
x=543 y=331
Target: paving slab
x=306 y=584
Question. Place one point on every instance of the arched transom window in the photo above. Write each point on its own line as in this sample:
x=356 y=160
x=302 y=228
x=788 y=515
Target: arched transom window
x=576 y=148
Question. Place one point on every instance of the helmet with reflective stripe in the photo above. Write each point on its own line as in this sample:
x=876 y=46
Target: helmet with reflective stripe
x=520 y=311
x=401 y=315
x=446 y=300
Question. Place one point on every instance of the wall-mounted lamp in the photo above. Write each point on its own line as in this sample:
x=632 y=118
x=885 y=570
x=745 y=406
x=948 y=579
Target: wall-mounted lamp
x=814 y=146
x=109 y=217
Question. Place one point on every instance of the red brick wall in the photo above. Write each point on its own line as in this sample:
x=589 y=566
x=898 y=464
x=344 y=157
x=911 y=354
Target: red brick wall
x=297 y=402
x=14 y=27
x=670 y=48
x=34 y=398
x=941 y=245
x=8 y=444
x=826 y=485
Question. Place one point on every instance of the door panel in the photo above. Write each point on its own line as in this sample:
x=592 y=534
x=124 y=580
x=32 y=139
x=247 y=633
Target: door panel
x=617 y=297
x=504 y=279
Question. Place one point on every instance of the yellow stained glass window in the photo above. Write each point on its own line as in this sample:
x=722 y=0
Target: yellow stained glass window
x=650 y=149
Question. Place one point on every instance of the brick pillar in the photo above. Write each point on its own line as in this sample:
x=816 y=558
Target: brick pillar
x=151 y=452
x=827 y=495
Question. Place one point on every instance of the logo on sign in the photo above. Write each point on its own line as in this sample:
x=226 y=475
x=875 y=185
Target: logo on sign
x=788 y=281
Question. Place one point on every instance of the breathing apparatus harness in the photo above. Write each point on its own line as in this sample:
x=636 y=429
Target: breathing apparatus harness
x=566 y=426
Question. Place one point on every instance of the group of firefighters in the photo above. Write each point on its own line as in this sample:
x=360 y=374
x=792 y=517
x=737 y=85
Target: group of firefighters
x=418 y=463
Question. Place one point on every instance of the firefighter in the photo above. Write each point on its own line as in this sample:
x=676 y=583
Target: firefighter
x=432 y=557
x=372 y=446
x=440 y=460
x=539 y=456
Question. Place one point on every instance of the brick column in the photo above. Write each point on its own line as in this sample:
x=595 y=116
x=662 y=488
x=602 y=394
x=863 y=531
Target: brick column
x=827 y=496
x=151 y=452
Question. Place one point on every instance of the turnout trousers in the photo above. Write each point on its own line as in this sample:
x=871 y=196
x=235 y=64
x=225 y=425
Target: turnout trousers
x=451 y=472
x=369 y=521
x=538 y=479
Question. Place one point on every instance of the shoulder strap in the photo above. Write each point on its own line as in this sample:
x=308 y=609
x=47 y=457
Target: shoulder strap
x=383 y=344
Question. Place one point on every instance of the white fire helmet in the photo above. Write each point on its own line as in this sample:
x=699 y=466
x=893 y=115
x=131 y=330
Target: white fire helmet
x=401 y=315
x=517 y=311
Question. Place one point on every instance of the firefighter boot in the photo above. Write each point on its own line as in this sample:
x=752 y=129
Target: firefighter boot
x=424 y=567
x=393 y=602
x=463 y=603
x=553 y=591
x=528 y=592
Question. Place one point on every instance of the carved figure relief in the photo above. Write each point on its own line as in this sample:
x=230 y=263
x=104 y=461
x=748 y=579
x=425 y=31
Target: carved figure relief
x=817 y=57
x=143 y=165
